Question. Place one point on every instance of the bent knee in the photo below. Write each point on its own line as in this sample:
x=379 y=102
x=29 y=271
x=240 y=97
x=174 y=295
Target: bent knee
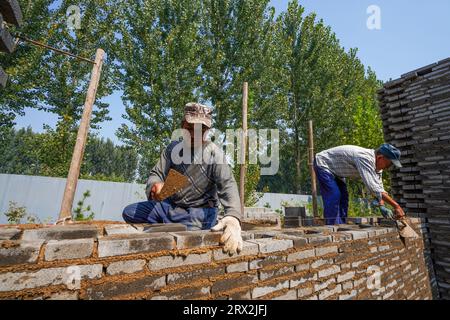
x=128 y=213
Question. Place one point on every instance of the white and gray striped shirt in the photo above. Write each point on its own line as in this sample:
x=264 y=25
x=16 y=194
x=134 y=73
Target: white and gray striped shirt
x=353 y=162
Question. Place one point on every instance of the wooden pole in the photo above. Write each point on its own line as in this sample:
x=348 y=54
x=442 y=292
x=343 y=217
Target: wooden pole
x=311 y=167
x=77 y=156
x=243 y=145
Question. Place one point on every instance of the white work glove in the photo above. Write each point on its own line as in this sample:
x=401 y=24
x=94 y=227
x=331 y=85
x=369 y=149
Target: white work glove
x=231 y=238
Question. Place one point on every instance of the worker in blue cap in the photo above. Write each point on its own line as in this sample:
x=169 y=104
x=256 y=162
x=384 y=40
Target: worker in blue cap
x=334 y=165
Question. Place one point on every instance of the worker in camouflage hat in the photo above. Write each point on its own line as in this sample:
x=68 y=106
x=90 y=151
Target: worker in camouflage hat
x=196 y=205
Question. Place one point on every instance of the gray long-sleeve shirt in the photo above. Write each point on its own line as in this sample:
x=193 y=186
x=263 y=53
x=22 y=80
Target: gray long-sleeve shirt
x=353 y=162
x=210 y=182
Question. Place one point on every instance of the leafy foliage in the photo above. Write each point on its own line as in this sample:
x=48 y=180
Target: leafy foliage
x=80 y=211
x=165 y=53
x=16 y=214
x=26 y=152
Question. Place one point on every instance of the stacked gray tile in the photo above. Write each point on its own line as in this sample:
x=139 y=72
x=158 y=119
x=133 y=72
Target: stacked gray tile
x=415 y=110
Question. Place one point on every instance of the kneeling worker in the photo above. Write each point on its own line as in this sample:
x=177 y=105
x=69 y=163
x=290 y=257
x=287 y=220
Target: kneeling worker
x=332 y=166
x=196 y=205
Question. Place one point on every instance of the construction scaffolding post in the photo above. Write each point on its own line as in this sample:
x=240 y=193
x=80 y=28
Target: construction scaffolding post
x=243 y=145
x=77 y=156
x=311 y=167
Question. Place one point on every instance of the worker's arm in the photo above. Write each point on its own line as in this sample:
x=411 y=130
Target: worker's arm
x=229 y=198
x=159 y=173
x=399 y=213
x=227 y=190
x=370 y=178
x=374 y=183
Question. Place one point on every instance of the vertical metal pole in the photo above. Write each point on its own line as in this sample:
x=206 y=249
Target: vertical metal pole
x=244 y=145
x=77 y=156
x=311 y=167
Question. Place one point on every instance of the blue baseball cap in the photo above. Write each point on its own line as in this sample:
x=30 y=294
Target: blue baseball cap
x=391 y=153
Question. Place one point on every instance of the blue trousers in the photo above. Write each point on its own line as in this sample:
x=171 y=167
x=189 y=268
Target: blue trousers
x=334 y=195
x=166 y=212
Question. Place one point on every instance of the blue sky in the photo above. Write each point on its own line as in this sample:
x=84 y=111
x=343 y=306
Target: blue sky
x=413 y=33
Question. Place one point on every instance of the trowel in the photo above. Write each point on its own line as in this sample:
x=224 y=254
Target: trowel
x=404 y=229
x=175 y=182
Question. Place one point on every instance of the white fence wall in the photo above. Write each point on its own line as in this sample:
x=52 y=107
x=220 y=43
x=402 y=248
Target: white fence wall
x=41 y=196
x=276 y=200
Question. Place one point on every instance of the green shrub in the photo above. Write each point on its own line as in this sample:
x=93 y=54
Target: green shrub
x=80 y=211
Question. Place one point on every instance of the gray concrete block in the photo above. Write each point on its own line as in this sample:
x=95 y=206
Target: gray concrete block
x=124 y=267
x=165 y=262
x=6 y=41
x=348 y=296
x=330 y=292
x=205 y=273
x=298 y=241
x=300 y=255
x=19 y=251
x=296 y=281
x=68 y=249
x=346 y=276
x=237 y=267
x=196 y=239
x=66 y=295
x=321 y=251
x=11 y=12
x=268 y=274
x=267 y=245
x=290 y=295
x=113 y=229
x=329 y=271
x=303 y=292
x=323 y=285
x=9 y=233
x=246 y=295
x=160 y=227
x=247 y=235
x=70 y=276
x=77 y=231
x=255 y=264
x=248 y=249
x=110 y=290
x=3 y=77
x=318 y=238
x=262 y=291
x=356 y=234
x=123 y=245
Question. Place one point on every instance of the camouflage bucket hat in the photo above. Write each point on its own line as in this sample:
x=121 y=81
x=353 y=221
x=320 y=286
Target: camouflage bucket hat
x=198 y=113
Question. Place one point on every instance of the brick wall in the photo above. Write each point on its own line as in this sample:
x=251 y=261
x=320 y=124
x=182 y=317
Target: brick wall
x=416 y=117
x=116 y=262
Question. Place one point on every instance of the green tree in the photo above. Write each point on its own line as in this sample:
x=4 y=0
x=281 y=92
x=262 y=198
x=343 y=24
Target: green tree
x=159 y=53
x=324 y=83
x=26 y=152
x=235 y=41
x=55 y=83
x=106 y=161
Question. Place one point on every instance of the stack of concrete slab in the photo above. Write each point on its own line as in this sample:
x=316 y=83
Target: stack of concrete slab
x=415 y=110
